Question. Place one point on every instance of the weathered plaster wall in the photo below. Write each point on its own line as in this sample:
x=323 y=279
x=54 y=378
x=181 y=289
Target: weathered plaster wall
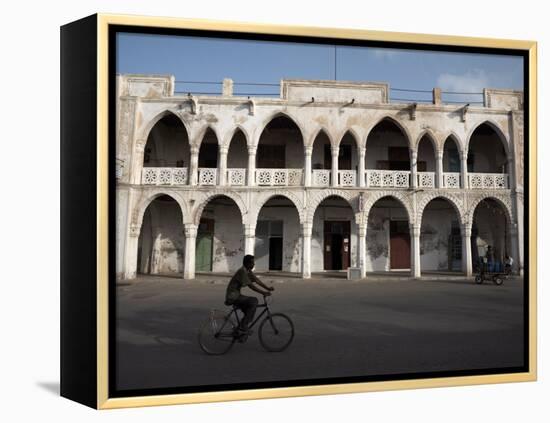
x=162 y=239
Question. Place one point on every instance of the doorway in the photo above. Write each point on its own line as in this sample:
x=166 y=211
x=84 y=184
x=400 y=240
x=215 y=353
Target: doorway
x=205 y=244
x=400 y=245
x=337 y=245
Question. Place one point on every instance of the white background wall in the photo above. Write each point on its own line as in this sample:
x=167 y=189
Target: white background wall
x=30 y=294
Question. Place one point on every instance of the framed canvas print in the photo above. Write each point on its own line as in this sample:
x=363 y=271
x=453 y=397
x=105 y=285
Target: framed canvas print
x=253 y=211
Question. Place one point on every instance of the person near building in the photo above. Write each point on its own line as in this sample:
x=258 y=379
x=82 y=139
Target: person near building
x=244 y=277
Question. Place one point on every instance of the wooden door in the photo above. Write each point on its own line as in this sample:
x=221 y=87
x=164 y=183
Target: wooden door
x=400 y=245
x=204 y=247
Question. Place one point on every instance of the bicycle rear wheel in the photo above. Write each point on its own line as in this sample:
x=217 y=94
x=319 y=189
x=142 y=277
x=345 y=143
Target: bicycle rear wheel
x=216 y=335
x=276 y=332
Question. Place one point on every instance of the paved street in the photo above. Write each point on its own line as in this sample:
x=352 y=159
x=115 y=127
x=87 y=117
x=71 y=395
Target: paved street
x=343 y=328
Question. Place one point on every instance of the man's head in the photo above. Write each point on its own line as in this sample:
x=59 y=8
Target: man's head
x=248 y=262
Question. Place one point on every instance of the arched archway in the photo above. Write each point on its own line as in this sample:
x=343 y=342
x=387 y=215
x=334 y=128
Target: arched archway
x=387 y=156
x=167 y=144
x=220 y=241
x=161 y=242
x=388 y=236
x=321 y=163
x=487 y=155
x=441 y=236
x=280 y=146
x=334 y=236
x=426 y=161
x=451 y=163
x=491 y=227
x=208 y=158
x=278 y=240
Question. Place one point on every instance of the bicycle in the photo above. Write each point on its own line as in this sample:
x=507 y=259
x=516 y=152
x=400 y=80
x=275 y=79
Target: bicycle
x=218 y=334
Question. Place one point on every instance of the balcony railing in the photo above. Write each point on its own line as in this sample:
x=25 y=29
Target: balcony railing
x=320 y=177
x=451 y=179
x=488 y=180
x=425 y=179
x=164 y=176
x=279 y=177
x=207 y=176
x=236 y=177
x=388 y=178
x=347 y=178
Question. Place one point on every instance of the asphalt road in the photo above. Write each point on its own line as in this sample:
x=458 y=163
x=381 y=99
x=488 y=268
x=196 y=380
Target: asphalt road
x=343 y=328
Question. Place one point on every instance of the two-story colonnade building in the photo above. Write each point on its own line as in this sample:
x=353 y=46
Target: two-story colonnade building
x=327 y=176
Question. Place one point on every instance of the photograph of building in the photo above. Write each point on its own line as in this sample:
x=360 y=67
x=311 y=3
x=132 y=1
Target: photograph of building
x=327 y=176
x=368 y=183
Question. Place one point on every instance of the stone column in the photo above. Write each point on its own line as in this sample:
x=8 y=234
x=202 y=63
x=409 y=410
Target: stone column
x=464 y=169
x=415 y=250
x=361 y=167
x=439 y=169
x=222 y=165
x=306 y=249
x=467 y=249
x=307 y=165
x=136 y=162
x=251 y=178
x=514 y=244
x=414 y=178
x=249 y=239
x=190 y=244
x=132 y=241
x=362 y=239
x=194 y=165
x=334 y=174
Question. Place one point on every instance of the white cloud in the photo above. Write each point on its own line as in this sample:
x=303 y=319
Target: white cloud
x=472 y=81
x=385 y=53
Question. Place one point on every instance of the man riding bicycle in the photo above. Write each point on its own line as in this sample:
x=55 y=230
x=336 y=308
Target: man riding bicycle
x=244 y=277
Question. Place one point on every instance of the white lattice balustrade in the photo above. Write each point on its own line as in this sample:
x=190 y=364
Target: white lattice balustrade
x=488 y=180
x=451 y=179
x=321 y=177
x=164 y=176
x=347 y=178
x=236 y=176
x=207 y=176
x=426 y=179
x=279 y=177
x=388 y=178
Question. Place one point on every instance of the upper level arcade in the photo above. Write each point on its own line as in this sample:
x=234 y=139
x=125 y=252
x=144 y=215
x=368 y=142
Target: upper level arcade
x=316 y=134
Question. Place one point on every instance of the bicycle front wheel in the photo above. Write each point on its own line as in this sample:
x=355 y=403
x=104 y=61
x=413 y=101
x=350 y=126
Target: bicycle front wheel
x=216 y=335
x=276 y=332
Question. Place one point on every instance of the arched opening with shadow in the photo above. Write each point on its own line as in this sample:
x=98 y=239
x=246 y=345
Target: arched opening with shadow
x=387 y=156
x=334 y=237
x=388 y=236
x=278 y=241
x=487 y=159
x=161 y=243
x=425 y=162
x=491 y=227
x=237 y=159
x=321 y=162
x=280 y=147
x=208 y=158
x=220 y=240
x=167 y=144
x=440 y=237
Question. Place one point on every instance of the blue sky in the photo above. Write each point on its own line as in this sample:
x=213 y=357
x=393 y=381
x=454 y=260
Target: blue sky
x=244 y=61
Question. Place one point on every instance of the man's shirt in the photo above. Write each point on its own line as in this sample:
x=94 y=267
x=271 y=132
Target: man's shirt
x=240 y=279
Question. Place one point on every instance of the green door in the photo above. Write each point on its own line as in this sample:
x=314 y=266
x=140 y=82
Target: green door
x=205 y=242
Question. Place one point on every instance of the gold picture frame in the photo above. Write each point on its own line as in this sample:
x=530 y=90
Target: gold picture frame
x=102 y=400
